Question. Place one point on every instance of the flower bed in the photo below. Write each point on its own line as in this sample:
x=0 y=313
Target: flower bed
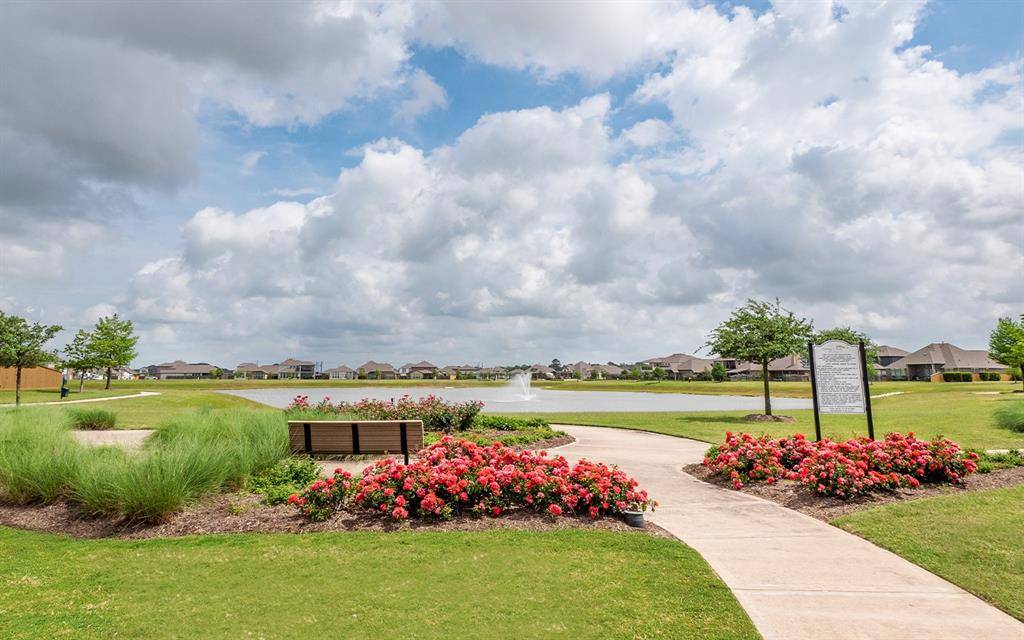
x=458 y=477
x=436 y=413
x=841 y=469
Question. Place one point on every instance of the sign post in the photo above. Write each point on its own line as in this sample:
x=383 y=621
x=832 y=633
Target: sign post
x=839 y=381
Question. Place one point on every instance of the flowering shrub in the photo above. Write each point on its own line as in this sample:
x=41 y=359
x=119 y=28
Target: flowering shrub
x=322 y=498
x=841 y=469
x=436 y=413
x=454 y=477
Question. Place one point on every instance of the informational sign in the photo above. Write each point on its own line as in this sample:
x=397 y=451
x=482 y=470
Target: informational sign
x=838 y=378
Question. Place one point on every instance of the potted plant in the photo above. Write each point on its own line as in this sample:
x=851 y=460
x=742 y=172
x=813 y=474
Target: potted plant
x=634 y=513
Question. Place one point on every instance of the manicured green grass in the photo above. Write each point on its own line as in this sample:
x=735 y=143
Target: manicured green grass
x=955 y=413
x=92 y=390
x=973 y=540
x=147 y=412
x=756 y=388
x=499 y=584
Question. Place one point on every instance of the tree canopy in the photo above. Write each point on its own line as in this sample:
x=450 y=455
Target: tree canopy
x=78 y=355
x=22 y=346
x=1006 y=343
x=113 y=343
x=761 y=331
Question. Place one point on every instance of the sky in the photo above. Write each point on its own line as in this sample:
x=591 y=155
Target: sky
x=508 y=182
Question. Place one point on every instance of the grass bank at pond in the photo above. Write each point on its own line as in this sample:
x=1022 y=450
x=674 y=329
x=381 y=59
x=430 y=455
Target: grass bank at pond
x=974 y=540
x=954 y=412
x=502 y=584
x=92 y=391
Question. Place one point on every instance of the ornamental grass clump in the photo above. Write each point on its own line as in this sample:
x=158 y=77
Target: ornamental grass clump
x=92 y=419
x=1010 y=415
x=457 y=477
x=39 y=459
x=841 y=469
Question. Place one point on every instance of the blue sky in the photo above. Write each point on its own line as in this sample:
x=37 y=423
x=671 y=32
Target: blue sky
x=583 y=181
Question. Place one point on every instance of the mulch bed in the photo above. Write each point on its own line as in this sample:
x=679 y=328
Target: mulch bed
x=550 y=443
x=245 y=513
x=796 y=496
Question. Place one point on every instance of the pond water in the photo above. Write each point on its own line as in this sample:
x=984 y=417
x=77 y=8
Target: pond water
x=505 y=400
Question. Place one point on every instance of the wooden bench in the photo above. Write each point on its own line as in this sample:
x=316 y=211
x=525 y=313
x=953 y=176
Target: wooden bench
x=358 y=437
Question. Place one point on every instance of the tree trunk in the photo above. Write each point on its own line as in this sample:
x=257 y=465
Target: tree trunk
x=767 y=394
x=108 y=377
x=81 y=381
x=17 y=386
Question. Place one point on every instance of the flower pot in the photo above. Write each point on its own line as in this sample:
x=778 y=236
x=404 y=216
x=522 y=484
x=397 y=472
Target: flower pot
x=634 y=518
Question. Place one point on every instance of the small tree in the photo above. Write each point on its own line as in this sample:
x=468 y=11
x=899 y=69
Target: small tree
x=760 y=332
x=852 y=336
x=22 y=346
x=659 y=374
x=1006 y=344
x=593 y=374
x=79 y=356
x=636 y=373
x=718 y=372
x=113 y=343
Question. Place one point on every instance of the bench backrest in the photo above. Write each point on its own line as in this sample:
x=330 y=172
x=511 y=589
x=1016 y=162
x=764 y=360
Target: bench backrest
x=355 y=436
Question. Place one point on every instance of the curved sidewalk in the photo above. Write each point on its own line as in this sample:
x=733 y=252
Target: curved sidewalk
x=797 y=577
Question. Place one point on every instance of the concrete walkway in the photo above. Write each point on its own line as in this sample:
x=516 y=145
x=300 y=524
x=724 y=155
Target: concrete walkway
x=797 y=577
x=130 y=439
x=141 y=394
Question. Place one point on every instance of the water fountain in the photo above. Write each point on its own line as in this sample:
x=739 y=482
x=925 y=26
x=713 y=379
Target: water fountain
x=519 y=384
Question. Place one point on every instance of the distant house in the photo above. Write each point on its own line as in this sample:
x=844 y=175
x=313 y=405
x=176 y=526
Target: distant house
x=888 y=355
x=340 y=372
x=418 y=370
x=542 y=372
x=678 y=366
x=940 y=357
x=589 y=371
x=492 y=373
x=181 y=370
x=296 y=369
x=789 y=369
x=253 y=371
x=377 y=371
x=461 y=371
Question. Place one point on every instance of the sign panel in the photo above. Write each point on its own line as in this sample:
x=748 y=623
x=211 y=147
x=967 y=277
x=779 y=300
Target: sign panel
x=837 y=373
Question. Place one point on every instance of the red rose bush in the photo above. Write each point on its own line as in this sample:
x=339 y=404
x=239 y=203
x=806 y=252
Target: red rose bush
x=841 y=469
x=458 y=477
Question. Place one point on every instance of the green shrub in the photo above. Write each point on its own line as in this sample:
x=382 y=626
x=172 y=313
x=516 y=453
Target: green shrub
x=288 y=476
x=956 y=376
x=507 y=423
x=988 y=376
x=38 y=457
x=988 y=462
x=1011 y=415
x=92 y=418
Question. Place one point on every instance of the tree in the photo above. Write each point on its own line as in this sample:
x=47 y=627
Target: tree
x=760 y=332
x=718 y=372
x=852 y=336
x=22 y=346
x=79 y=356
x=556 y=365
x=659 y=374
x=636 y=373
x=1006 y=344
x=113 y=343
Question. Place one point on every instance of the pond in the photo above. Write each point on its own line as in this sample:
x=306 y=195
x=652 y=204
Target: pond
x=506 y=400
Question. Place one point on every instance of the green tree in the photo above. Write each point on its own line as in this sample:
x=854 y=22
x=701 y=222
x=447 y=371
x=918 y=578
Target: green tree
x=760 y=332
x=718 y=372
x=636 y=373
x=22 y=346
x=852 y=336
x=1006 y=344
x=659 y=374
x=113 y=343
x=79 y=356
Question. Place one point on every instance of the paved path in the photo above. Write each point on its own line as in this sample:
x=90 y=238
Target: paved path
x=797 y=577
x=141 y=394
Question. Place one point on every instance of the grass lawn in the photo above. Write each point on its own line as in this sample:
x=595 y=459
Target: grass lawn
x=756 y=388
x=973 y=540
x=53 y=395
x=952 y=411
x=499 y=584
